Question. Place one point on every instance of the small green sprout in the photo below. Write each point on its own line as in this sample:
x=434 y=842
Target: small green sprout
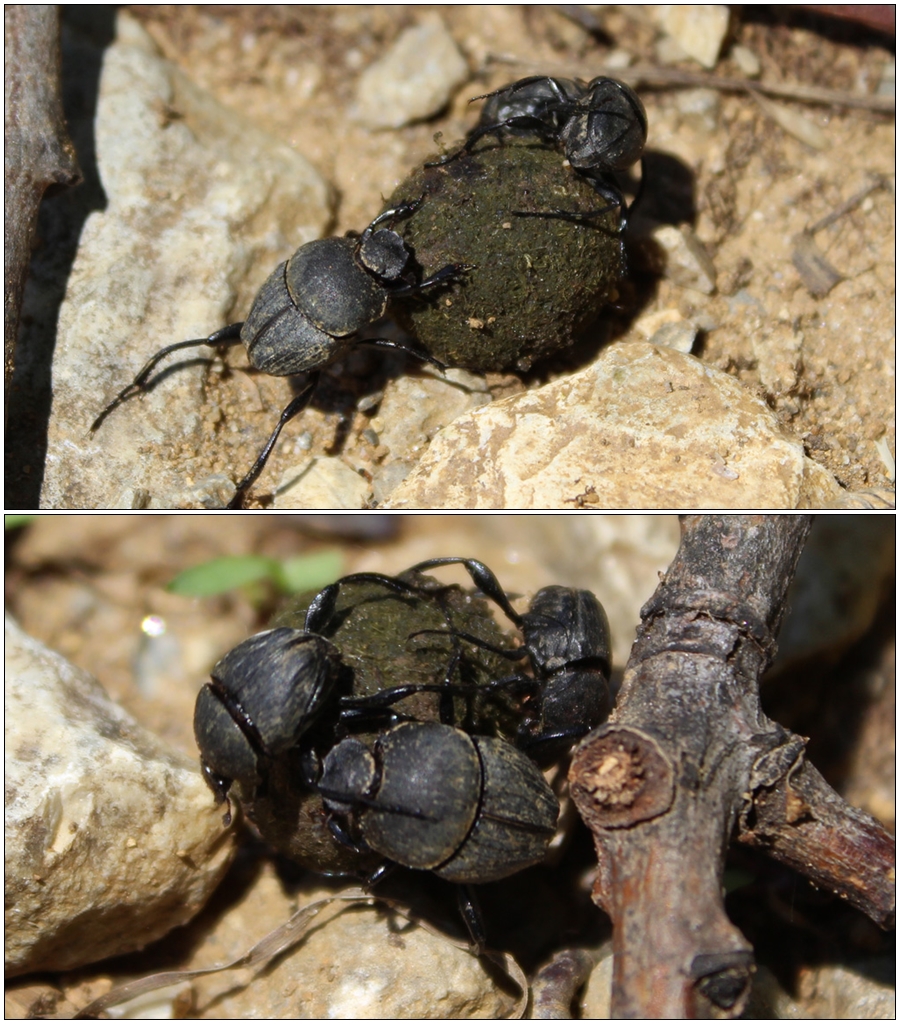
x=290 y=576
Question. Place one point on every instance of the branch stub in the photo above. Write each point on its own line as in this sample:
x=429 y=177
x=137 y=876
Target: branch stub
x=620 y=776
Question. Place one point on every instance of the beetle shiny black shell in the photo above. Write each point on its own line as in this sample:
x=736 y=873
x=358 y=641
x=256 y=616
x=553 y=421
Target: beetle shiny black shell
x=280 y=339
x=601 y=126
x=563 y=626
x=566 y=634
x=311 y=305
x=471 y=809
x=310 y=311
x=263 y=695
x=543 y=99
x=607 y=129
x=327 y=282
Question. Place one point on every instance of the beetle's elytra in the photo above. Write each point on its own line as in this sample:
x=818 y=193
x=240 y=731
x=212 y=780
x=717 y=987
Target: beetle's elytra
x=472 y=809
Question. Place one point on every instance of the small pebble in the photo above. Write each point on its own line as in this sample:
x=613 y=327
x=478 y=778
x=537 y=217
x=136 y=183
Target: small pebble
x=368 y=402
x=132 y=498
x=746 y=60
x=414 y=80
x=687 y=262
x=323 y=483
x=698 y=29
x=679 y=336
x=700 y=108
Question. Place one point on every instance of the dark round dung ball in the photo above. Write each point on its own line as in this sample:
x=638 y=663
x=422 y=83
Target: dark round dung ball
x=536 y=282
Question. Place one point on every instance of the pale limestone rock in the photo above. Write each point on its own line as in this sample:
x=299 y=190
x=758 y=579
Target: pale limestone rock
x=112 y=838
x=324 y=482
x=199 y=209
x=643 y=427
x=414 y=408
x=414 y=79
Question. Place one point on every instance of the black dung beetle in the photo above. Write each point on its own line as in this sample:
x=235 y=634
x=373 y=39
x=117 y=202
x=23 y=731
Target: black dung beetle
x=471 y=809
x=266 y=692
x=310 y=311
x=566 y=635
x=262 y=696
x=601 y=126
x=342 y=787
x=566 y=640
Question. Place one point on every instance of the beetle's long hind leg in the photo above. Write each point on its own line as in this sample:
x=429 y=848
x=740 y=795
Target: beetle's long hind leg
x=292 y=409
x=470 y=909
x=230 y=335
x=607 y=190
x=520 y=122
x=482 y=577
x=399 y=346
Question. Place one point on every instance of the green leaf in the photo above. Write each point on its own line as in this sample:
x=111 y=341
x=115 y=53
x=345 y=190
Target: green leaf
x=306 y=572
x=11 y=522
x=309 y=572
x=223 y=574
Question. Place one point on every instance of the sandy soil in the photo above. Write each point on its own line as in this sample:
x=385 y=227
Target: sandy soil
x=717 y=160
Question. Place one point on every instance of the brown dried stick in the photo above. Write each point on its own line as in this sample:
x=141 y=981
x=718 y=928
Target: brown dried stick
x=38 y=152
x=688 y=760
x=802 y=822
x=654 y=76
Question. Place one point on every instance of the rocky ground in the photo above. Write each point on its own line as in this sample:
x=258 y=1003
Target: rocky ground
x=223 y=138
x=109 y=821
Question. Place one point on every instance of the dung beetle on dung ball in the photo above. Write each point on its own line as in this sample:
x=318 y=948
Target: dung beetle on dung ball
x=526 y=261
x=310 y=312
x=601 y=125
x=341 y=779
x=540 y=278
x=269 y=690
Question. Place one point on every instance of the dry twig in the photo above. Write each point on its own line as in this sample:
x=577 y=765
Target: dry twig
x=817 y=274
x=282 y=940
x=38 y=153
x=653 y=75
x=688 y=762
x=554 y=986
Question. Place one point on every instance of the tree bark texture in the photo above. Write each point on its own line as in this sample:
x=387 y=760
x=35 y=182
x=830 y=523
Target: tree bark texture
x=38 y=151
x=688 y=762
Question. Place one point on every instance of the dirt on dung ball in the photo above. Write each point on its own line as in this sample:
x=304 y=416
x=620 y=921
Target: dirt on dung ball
x=537 y=278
